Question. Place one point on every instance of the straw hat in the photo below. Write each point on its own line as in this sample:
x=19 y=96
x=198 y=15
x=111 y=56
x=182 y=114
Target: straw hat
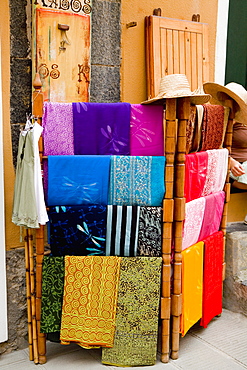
x=177 y=86
x=233 y=90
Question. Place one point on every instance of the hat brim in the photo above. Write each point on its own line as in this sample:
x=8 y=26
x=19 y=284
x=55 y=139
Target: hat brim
x=194 y=99
x=217 y=92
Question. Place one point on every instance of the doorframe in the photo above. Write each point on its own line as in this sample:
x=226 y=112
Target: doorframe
x=221 y=42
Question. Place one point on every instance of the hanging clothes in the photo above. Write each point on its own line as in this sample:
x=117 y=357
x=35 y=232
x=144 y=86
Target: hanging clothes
x=195 y=175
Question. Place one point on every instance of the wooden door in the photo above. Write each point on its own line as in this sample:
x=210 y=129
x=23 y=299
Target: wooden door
x=176 y=46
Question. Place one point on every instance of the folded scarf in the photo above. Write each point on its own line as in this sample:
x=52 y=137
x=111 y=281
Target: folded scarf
x=137 y=180
x=212 y=278
x=122 y=230
x=150 y=232
x=89 y=300
x=101 y=128
x=52 y=294
x=212 y=214
x=192 y=285
x=195 y=175
x=216 y=171
x=190 y=129
x=77 y=230
x=212 y=127
x=58 y=129
x=146 y=130
x=135 y=342
x=79 y=179
x=194 y=213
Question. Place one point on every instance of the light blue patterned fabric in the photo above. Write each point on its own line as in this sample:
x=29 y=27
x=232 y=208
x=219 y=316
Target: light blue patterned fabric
x=137 y=180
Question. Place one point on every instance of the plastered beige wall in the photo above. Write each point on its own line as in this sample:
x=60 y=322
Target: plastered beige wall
x=11 y=231
x=133 y=72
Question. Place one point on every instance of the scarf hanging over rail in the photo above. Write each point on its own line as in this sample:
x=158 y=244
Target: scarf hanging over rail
x=212 y=214
x=137 y=180
x=212 y=127
x=146 y=130
x=216 y=171
x=190 y=129
x=192 y=285
x=52 y=294
x=77 y=230
x=58 y=129
x=194 y=213
x=135 y=342
x=80 y=179
x=101 y=128
x=122 y=230
x=195 y=175
x=212 y=278
x=89 y=301
x=150 y=232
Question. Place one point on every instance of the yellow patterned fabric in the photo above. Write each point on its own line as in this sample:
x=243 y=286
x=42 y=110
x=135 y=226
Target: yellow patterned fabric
x=192 y=284
x=89 y=301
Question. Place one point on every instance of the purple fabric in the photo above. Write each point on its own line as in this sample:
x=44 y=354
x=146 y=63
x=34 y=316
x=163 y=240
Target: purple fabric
x=146 y=130
x=101 y=128
x=58 y=129
x=212 y=214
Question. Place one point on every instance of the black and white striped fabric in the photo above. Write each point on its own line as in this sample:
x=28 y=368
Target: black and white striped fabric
x=122 y=230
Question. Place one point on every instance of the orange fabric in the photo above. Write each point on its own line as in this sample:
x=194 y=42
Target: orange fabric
x=89 y=302
x=192 y=284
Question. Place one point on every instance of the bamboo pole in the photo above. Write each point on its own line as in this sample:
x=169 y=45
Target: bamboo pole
x=183 y=112
x=169 y=145
x=28 y=295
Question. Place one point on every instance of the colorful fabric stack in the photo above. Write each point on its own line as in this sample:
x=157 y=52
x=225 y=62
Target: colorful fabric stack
x=101 y=128
x=135 y=342
x=79 y=179
x=212 y=278
x=89 y=300
x=52 y=294
x=150 y=232
x=195 y=175
x=77 y=230
x=137 y=180
x=192 y=286
x=122 y=230
x=146 y=130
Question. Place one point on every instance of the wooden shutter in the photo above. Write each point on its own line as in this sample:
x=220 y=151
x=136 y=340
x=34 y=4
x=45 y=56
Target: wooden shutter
x=175 y=46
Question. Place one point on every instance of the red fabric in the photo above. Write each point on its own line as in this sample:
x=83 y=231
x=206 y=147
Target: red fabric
x=212 y=126
x=212 y=278
x=195 y=175
x=212 y=214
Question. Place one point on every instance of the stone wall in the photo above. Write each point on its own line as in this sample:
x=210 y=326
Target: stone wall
x=105 y=87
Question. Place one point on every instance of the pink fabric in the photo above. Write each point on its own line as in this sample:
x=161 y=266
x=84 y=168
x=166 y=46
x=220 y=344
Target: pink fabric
x=195 y=175
x=146 y=130
x=221 y=171
x=216 y=171
x=58 y=129
x=194 y=213
x=213 y=214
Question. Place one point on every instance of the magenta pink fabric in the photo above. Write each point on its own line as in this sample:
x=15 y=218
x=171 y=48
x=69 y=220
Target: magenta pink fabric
x=195 y=175
x=213 y=214
x=146 y=130
x=58 y=129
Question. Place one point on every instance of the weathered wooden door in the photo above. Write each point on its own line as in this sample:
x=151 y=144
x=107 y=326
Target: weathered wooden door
x=176 y=46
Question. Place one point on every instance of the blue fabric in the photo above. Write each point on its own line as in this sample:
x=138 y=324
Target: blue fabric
x=75 y=180
x=137 y=180
x=77 y=230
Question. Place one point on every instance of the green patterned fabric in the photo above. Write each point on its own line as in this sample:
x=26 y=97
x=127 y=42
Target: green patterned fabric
x=135 y=342
x=52 y=294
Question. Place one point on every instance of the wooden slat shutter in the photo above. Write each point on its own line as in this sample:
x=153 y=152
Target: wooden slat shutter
x=175 y=46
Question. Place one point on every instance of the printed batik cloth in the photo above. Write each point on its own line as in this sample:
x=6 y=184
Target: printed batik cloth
x=195 y=175
x=135 y=342
x=212 y=277
x=146 y=130
x=52 y=294
x=194 y=214
x=212 y=127
x=213 y=214
x=192 y=286
x=137 y=181
x=101 y=128
x=58 y=129
x=216 y=171
x=78 y=179
x=77 y=230
x=122 y=230
x=90 y=300
x=150 y=232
